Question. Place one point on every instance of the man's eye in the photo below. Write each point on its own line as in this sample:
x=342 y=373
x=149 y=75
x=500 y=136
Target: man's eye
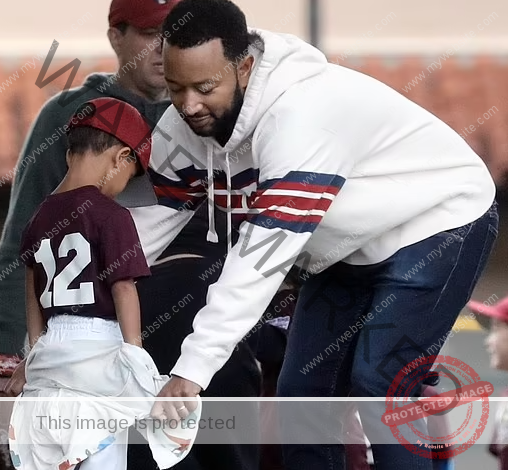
x=205 y=90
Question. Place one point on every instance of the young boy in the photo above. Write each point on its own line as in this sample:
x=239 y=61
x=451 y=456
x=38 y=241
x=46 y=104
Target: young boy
x=82 y=256
x=497 y=345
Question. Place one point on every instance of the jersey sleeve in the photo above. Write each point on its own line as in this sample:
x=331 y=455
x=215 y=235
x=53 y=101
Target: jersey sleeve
x=120 y=248
x=302 y=169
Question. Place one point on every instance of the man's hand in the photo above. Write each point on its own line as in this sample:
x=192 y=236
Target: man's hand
x=15 y=384
x=177 y=387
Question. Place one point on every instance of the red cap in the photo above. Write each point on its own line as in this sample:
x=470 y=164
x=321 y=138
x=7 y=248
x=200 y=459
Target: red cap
x=142 y=14
x=499 y=310
x=119 y=119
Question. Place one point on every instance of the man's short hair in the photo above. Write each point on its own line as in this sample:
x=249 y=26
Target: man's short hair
x=194 y=22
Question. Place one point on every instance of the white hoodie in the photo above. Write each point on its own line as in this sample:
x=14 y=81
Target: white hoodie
x=330 y=165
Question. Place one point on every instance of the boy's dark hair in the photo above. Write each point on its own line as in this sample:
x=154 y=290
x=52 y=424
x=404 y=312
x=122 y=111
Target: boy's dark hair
x=87 y=139
x=200 y=21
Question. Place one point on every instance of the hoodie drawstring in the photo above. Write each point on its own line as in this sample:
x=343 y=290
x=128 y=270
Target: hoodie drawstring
x=211 y=236
x=228 y=187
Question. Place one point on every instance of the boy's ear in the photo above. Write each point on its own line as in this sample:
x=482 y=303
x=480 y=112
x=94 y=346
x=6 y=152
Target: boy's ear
x=121 y=155
x=68 y=158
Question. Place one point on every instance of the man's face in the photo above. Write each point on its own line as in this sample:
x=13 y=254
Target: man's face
x=146 y=71
x=206 y=87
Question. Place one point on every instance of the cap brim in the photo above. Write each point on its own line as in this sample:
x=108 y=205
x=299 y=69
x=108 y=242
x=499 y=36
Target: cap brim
x=139 y=192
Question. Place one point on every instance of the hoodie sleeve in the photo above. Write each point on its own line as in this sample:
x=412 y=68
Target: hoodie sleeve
x=301 y=173
x=159 y=225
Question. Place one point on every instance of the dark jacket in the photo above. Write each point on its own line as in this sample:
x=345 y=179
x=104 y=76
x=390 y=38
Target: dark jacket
x=36 y=179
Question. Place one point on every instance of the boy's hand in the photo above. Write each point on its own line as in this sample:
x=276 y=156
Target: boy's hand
x=180 y=409
x=15 y=384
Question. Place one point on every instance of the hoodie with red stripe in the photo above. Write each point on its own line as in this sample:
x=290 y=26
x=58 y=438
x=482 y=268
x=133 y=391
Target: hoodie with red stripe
x=325 y=164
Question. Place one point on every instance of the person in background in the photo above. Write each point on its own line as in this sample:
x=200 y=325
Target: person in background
x=495 y=319
x=133 y=25
x=181 y=274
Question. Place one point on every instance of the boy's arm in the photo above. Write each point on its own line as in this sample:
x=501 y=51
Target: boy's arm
x=34 y=318
x=120 y=248
x=126 y=301
x=35 y=326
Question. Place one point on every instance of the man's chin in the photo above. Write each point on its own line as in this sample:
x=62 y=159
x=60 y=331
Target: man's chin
x=202 y=131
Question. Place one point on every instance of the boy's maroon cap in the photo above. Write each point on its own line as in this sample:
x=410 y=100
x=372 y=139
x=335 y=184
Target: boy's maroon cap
x=119 y=119
x=142 y=14
x=499 y=310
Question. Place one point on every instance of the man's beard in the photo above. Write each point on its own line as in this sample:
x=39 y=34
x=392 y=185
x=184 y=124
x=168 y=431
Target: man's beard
x=223 y=127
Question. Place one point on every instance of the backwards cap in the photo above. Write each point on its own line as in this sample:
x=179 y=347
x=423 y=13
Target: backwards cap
x=119 y=119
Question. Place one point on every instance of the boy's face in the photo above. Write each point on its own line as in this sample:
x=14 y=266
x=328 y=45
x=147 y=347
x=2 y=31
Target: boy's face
x=497 y=345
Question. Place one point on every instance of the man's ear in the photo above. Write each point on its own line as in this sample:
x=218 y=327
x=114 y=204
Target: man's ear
x=244 y=70
x=116 y=38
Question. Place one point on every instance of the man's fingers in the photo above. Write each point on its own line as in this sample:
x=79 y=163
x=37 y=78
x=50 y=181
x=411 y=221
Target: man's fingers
x=191 y=404
x=186 y=402
x=181 y=409
x=158 y=411
x=170 y=410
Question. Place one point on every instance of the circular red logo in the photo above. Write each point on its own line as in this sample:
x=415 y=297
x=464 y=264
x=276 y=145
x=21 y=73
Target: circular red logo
x=401 y=410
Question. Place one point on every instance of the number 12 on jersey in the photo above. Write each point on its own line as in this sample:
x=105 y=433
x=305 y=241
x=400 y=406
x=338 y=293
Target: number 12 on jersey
x=62 y=295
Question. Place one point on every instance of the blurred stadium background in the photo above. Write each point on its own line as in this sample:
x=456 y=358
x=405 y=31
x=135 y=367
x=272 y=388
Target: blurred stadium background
x=451 y=57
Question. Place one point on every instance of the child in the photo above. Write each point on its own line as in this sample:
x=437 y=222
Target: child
x=495 y=317
x=82 y=255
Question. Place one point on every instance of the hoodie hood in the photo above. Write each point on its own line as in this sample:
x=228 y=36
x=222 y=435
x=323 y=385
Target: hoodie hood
x=280 y=62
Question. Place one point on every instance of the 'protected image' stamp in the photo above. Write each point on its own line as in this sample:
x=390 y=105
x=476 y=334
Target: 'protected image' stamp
x=469 y=398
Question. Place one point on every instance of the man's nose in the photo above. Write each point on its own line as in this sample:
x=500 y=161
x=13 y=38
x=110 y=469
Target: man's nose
x=192 y=104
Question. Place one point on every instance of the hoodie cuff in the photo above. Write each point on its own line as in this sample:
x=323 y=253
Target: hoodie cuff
x=196 y=368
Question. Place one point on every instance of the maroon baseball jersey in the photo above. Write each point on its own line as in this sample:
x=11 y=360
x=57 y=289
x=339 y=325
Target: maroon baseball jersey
x=79 y=244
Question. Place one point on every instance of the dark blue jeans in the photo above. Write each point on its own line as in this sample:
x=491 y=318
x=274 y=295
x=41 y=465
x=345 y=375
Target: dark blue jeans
x=413 y=298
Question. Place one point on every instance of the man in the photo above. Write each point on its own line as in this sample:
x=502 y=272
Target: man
x=272 y=132
x=175 y=285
